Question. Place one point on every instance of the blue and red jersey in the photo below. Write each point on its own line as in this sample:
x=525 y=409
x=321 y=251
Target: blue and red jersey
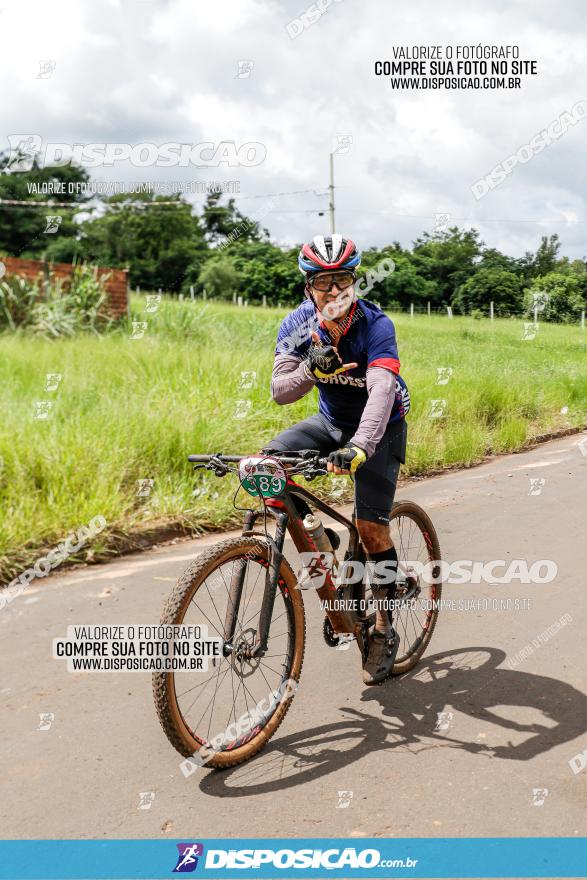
x=369 y=340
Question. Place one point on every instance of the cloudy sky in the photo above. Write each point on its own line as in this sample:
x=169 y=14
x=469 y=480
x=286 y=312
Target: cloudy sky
x=159 y=71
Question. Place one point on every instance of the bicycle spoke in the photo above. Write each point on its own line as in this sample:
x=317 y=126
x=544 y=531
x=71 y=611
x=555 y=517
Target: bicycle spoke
x=221 y=634
x=231 y=693
x=243 y=625
x=210 y=700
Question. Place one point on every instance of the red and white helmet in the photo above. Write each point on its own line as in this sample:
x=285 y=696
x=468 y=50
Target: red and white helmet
x=327 y=253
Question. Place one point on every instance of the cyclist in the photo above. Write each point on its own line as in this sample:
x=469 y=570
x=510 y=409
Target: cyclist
x=346 y=347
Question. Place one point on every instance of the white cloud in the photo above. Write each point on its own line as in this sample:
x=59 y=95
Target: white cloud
x=143 y=70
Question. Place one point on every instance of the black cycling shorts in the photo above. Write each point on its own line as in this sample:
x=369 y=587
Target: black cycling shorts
x=375 y=480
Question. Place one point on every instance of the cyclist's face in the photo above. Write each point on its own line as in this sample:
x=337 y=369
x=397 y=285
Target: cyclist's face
x=334 y=303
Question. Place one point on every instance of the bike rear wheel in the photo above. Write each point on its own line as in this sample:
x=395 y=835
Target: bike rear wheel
x=415 y=541
x=224 y=716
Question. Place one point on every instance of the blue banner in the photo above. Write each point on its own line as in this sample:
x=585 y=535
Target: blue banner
x=514 y=857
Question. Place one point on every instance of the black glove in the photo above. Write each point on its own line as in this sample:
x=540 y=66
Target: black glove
x=349 y=458
x=323 y=361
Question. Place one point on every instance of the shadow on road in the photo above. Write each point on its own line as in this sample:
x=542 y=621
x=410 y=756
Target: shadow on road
x=468 y=680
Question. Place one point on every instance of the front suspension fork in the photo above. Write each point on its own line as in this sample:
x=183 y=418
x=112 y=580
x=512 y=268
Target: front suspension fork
x=271 y=580
x=236 y=589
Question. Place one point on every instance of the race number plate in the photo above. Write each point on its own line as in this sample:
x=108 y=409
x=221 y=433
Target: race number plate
x=262 y=475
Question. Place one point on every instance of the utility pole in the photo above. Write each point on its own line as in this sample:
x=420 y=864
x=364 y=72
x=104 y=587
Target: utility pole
x=331 y=191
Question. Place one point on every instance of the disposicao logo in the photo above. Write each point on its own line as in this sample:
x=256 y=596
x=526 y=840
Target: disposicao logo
x=187 y=859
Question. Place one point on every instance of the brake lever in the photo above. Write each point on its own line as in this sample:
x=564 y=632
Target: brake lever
x=314 y=472
x=219 y=468
x=307 y=454
x=215 y=465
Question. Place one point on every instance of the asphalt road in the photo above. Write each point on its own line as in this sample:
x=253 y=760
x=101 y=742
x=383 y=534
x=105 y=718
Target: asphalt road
x=103 y=768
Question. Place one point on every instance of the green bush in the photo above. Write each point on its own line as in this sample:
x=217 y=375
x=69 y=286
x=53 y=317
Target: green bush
x=487 y=285
x=17 y=301
x=559 y=297
x=220 y=278
x=58 y=310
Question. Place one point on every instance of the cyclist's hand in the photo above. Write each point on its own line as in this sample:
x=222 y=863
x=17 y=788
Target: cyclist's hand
x=349 y=458
x=324 y=360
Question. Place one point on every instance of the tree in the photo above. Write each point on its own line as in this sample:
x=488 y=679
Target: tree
x=448 y=259
x=267 y=271
x=220 y=278
x=560 y=297
x=263 y=268
x=544 y=260
x=22 y=230
x=159 y=242
x=403 y=286
x=485 y=285
x=546 y=257
x=491 y=258
x=221 y=221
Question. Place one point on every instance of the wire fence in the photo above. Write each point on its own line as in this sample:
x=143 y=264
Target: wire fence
x=413 y=310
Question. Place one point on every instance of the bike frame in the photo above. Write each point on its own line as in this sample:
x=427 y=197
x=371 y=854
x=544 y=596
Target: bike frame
x=288 y=519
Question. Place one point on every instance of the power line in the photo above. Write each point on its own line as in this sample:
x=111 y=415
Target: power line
x=463 y=219
x=37 y=203
x=49 y=203
x=301 y=211
x=293 y=192
x=478 y=221
x=80 y=206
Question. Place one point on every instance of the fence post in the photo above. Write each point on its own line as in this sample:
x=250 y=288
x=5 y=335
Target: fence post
x=428 y=308
x=411 y=310
x=491 y=310
x=181 y=297
x=264 y=301
x=246 y=303
x=582 y=320
x=137 y=290
x=449 y=311
x=192 y=294
x=204 y=294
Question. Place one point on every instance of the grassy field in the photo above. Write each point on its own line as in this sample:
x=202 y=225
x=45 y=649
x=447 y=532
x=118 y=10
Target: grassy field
x=132 y=409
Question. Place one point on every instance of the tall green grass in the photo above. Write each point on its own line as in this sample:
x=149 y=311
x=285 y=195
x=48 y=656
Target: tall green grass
x=133 y=409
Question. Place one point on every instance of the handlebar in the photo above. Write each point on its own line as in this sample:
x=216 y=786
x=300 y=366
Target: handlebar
x=206 y=458
x=304 y=459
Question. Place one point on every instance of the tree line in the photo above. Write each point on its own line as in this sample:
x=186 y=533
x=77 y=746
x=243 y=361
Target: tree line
x=165 y=244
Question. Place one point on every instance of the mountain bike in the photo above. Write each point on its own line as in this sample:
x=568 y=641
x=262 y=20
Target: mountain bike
x=247 y=594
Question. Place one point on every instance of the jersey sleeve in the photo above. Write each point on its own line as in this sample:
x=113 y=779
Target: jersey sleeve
x=285 y=341
x=294 y=335
x=382 y=345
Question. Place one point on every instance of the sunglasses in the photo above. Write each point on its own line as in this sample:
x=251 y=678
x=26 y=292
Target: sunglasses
x=325 y=282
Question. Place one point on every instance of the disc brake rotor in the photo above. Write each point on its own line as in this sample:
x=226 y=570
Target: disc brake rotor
x=241 y=658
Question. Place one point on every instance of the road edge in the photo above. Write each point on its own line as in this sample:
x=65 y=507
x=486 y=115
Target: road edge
x=170 y=532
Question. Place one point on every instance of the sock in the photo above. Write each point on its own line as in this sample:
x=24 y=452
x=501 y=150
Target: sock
x=383 y=617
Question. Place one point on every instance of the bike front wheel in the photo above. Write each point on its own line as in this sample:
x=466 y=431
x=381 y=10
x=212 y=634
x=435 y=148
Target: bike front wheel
x=224 y=716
